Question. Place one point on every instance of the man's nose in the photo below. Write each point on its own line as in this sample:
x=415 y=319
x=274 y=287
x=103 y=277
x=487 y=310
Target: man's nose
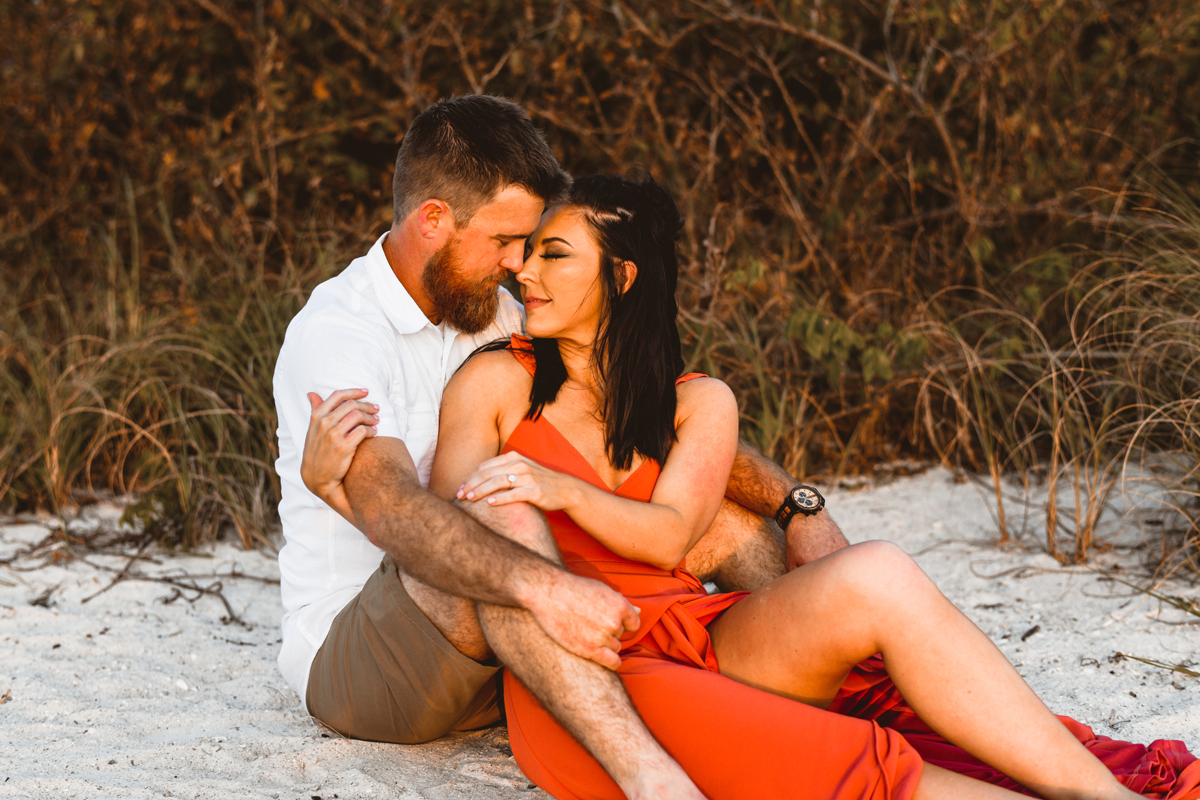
x=511 y=259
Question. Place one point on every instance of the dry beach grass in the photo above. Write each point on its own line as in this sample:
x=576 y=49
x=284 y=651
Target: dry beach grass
x=962 y=235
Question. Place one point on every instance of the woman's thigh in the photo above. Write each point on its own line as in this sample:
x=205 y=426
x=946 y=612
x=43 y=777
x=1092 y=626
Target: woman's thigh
x=736 y=742
x=800 y=635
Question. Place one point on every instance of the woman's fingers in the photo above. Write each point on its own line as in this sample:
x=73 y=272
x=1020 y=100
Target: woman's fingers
x=335 y=399
x=518 y=495
x=354 y=418
x=494 y=484
x=350 y=407
x=360 y=432
x=489 y=472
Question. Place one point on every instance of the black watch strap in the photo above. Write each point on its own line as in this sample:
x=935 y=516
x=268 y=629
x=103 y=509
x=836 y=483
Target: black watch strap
x=802 y=499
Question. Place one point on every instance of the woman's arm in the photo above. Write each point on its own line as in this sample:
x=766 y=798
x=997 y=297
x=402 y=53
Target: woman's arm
x=685 y=500
x=476 y=406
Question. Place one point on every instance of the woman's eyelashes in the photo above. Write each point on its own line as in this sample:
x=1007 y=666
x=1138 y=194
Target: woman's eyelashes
x=552 y=254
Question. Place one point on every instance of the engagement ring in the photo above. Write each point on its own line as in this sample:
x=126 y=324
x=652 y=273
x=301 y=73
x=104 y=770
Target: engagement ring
x=512 y=481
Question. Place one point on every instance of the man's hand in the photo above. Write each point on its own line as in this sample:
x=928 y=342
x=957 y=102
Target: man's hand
x=809 y=538
x=584 y=616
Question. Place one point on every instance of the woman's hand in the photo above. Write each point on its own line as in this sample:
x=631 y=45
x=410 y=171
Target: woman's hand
x=335 y=429
x=513 y=478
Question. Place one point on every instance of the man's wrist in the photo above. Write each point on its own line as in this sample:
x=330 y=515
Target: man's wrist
x=820 y=519
x=535 y=581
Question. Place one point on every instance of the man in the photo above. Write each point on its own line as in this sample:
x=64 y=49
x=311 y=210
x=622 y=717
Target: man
x=397 y=635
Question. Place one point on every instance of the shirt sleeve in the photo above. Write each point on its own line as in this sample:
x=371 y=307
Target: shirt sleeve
x=330 y=352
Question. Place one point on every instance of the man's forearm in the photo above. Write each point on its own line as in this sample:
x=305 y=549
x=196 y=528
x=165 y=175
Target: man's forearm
x=428 y=537
x=756 y=482
x=760 y=485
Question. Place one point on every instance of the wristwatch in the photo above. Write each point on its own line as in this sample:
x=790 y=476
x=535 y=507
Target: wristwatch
x=801 y=500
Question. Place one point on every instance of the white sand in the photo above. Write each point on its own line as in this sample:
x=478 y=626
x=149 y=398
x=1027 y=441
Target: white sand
x=128 y=696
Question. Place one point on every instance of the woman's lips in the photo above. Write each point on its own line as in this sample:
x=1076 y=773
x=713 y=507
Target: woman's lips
x=534 y=302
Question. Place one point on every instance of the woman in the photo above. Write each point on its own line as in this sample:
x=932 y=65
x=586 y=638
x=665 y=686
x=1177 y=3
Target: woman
x=769 y=694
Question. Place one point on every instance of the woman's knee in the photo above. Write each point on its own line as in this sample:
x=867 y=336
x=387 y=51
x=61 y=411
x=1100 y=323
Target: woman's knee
x=880 y=572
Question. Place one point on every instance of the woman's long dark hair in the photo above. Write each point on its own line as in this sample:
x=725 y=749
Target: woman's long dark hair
x=637 y=352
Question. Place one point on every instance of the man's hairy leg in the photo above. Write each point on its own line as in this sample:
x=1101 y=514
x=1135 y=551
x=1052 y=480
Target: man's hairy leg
x=741 y=551
x=588 y=700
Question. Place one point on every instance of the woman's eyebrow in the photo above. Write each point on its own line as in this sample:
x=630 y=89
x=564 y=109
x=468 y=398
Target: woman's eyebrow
x=550 y=239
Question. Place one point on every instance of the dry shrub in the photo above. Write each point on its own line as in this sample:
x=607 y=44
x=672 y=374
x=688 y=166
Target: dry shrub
x=887 y=230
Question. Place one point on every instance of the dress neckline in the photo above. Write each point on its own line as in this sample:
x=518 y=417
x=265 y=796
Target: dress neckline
x=596 y=479
x=521 y=347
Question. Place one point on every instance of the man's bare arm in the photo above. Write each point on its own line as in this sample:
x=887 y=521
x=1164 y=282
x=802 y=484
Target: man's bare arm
x=439 y=545
x=760 y=485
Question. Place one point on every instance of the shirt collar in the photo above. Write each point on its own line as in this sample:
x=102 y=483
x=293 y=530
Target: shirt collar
x=403 y=312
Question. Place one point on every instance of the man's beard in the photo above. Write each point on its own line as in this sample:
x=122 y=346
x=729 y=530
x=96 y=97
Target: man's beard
x=469 y=306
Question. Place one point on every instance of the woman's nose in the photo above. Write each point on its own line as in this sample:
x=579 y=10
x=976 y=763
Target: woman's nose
x=526 y=274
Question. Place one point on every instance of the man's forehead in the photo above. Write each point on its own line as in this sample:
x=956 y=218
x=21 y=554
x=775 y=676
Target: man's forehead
x=512 y=214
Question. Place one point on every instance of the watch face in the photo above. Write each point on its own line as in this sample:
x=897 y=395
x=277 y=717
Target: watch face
x=806 y=498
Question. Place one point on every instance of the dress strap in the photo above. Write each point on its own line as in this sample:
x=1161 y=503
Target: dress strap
x=522 y=349
x=691 y=376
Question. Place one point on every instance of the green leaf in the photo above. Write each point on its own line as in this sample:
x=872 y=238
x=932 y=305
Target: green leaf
x=910 y=350
x=876 y=365
x=981 y=249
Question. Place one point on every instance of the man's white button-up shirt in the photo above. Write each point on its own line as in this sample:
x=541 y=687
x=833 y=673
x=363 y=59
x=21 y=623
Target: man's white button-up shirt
x=360 y=329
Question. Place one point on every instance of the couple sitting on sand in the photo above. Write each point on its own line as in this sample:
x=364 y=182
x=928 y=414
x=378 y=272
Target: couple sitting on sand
x=553 y=504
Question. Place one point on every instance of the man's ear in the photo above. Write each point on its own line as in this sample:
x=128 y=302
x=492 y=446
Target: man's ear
x=627 y=275
x=434 y=219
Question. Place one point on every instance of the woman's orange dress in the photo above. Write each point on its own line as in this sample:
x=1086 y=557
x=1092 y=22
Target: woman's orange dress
x=736 y=741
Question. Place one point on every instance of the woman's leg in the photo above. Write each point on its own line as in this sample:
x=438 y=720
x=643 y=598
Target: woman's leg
x=942 y=784
x=736 y=742
x=801 y=635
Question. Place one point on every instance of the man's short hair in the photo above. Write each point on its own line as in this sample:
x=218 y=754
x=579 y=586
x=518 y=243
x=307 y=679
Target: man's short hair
x=464 y=150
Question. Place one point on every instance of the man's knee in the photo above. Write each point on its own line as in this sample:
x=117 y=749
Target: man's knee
x=520 y=522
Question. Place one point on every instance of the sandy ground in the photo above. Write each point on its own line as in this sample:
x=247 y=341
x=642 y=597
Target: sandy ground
x=145 y=691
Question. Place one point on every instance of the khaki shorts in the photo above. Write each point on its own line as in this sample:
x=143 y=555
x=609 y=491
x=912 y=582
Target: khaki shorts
x=386 y=674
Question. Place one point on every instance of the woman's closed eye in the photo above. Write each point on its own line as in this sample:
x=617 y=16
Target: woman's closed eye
x=553 y=254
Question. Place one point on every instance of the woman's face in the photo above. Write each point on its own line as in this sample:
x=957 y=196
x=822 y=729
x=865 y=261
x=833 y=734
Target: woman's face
x=561 y=282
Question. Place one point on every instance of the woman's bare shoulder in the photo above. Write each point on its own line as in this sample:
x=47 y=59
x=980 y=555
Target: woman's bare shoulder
x=703 y=396
x=492 y=378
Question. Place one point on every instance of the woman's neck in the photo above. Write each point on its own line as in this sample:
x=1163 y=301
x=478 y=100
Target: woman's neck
x=581 y=369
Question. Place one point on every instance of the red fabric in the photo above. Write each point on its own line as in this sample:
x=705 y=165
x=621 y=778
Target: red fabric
x=1163 y=769
x=736 y=741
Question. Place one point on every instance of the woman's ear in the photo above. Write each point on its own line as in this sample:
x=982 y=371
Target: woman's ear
x=627 y=275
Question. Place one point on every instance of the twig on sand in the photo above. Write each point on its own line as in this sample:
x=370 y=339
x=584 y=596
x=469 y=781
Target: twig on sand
x=114 y=542
x=43 y=599
x=123 y=574
x=185 y=583
x=213 y=589
x=1180 y=668
x=1184 y=604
